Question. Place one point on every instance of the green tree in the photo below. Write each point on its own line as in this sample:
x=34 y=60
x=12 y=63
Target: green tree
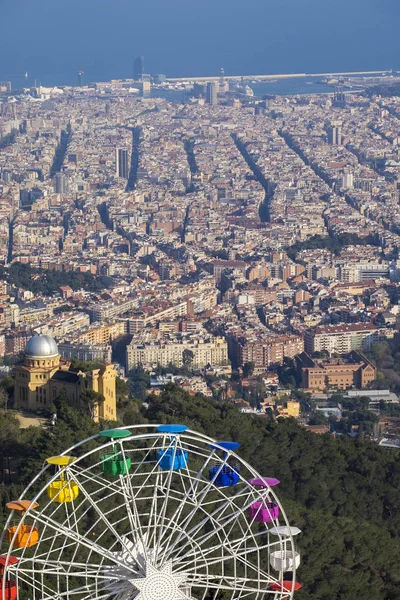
x=91 y=400
x=248 y=369
x=3 y=399
x=122 y=390
x=187 y=359
x=9 y=443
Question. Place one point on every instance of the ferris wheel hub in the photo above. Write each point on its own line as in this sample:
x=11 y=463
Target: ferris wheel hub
x=160 y=583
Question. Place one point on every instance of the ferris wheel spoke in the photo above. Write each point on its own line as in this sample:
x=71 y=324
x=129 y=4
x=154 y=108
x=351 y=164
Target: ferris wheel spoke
x=163 y=504
x=91 y=592
x=75 y=536
x=228 y=583
x=210 y=555
x=103 y=518
x=237 y=552
x=133 y=514
x=153 y=507
x=134 y=497
x=147 y=457
x=175 y=521
x=225 y=504
x=47 y=593
x=65 y=566
x=34 y=584
x=218 y=523
x=237 y=559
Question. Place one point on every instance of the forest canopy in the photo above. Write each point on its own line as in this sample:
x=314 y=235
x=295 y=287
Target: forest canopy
x=46 y=281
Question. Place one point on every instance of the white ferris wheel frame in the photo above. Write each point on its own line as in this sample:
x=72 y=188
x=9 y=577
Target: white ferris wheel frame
x=181 y=551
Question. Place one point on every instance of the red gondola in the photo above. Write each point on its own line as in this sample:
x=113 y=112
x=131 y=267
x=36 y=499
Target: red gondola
x=285 y=586
x=8 y=589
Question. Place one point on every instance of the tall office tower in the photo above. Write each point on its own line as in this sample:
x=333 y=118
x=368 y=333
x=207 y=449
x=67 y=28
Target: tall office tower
x=60 y=183
x=335 y=134
x=348 y=180
x=138 y=68
x=122 y=168
x=212 y=93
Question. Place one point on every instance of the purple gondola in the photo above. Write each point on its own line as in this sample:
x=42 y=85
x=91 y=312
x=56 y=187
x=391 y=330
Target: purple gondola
x=264 y=512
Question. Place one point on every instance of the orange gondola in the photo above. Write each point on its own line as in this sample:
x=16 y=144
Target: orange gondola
x=23 y=535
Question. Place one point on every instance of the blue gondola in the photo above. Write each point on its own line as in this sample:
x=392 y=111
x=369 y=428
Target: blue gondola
x=172 y=458
x=224 y=475
x=171 y=428
x=225 y=446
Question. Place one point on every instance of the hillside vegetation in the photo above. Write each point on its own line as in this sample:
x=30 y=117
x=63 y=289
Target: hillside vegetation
x=343 y=494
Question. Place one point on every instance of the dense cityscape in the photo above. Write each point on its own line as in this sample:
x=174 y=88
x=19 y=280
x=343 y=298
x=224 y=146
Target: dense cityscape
x=229 y=235
x=230 y=262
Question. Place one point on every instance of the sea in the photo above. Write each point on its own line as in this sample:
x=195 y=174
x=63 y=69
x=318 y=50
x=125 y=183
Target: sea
x=51 y=41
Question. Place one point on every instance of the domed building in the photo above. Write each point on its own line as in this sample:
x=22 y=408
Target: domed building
x=43 y=375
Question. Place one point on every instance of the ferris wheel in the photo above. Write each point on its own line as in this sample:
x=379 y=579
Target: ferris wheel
x=149 y=512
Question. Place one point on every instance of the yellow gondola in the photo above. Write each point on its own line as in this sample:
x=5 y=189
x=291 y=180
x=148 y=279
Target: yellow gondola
x=62 y=489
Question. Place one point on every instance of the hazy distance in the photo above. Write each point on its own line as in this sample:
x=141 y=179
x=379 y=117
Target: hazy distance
x=52 y=40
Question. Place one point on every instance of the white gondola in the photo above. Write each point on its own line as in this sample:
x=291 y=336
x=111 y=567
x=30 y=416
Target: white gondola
x=285 y=530
x=284 y=560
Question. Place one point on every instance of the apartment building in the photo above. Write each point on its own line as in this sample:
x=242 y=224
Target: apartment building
x=265 y=351
x=86 y=352
x=341 y=338
x=103 y=333
x=212 y=350
x=105 y=311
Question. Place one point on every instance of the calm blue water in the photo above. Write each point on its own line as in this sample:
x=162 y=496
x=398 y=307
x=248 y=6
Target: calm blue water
x=53 y=40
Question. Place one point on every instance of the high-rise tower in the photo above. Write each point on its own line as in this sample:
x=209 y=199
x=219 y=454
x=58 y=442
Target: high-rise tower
x=60 y=183
x=122 y=168
x=335 y=134
x=212 y=93
x=138 y=68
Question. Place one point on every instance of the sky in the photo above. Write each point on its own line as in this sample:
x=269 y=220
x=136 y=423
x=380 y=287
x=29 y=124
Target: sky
x=53 y=39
